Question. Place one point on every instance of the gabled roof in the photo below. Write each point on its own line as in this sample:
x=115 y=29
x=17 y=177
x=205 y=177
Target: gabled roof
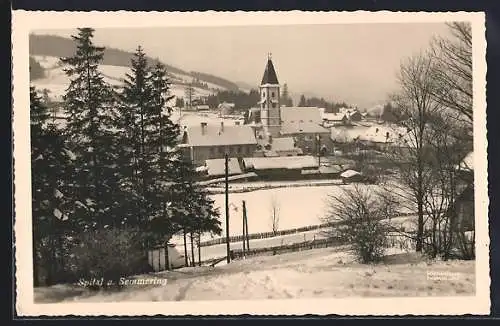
x=269 y=74
x=334 y=116
x=300 y=114
x=214 y=136
x=301 y=120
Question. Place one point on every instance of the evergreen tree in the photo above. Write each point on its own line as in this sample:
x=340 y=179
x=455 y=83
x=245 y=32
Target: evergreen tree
x=194 y=210
x=285 y=96
x=163 y=141
x=133 y=122
x=49 y=159
x=302 y=101
x=90 y=105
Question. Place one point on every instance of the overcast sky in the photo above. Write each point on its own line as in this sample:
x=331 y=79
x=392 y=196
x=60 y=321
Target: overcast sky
x=356 y=63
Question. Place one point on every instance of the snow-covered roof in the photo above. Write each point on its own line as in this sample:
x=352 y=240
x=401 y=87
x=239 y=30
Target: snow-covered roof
x=468 y=162
x=334 y=116
x=293 y=115
x=302 y=128
x=284 y=162
x=214 y=135
x=349 y=174
x=217 y=167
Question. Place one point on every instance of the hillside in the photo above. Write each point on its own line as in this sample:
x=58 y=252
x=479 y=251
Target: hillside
x=56 y=46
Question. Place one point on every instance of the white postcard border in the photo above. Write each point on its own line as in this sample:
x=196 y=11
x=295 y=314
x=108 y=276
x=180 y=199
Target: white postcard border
x=24 y=21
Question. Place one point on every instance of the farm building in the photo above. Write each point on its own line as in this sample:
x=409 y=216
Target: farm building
x=333 y=119
x=280 y=168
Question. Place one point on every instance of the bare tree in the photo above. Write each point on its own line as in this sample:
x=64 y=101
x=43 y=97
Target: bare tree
x=448 y=149
x=452 y=71
x=416 y=107
x=361 y=218
x=275 y=215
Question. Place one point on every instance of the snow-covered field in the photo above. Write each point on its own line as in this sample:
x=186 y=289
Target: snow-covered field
x=296 y=207
x=319 y=273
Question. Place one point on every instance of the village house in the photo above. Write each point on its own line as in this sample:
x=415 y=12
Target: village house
x=303 y=124
x=226 y=108
x=334 y=119
x=209 y=141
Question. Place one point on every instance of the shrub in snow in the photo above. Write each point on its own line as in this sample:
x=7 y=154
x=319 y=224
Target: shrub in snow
x=360 y=218
x=108 y=254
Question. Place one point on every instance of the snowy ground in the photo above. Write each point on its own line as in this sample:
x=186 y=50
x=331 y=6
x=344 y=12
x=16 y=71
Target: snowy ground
x=320 y=273
x=296 y=206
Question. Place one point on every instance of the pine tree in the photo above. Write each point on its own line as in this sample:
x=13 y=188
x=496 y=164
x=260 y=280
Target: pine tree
x=302 y=101
x=90 y=104
x=285 y=96
x=133 y=121
x=49 y=159
x=163 y=139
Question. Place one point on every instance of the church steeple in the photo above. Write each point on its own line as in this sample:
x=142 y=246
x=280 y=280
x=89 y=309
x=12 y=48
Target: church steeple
x=269 y=74
x=270 y=100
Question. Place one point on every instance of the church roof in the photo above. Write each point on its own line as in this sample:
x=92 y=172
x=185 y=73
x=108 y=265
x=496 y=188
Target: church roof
x=269 y=74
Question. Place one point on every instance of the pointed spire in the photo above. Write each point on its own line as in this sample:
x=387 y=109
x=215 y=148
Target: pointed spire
x=269 y=74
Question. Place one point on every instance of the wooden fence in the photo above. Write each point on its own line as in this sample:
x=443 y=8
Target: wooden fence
x=265 y=235
x=237 y=254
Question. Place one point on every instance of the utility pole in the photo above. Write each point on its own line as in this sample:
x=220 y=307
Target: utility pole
x=318 y=142
x=246 y=224
x=227 y=206
x=244 y=229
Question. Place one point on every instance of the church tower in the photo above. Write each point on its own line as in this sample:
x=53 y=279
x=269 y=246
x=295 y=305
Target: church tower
x=270 y=100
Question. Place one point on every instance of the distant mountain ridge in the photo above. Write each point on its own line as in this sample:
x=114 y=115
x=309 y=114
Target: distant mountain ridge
x=57 y=46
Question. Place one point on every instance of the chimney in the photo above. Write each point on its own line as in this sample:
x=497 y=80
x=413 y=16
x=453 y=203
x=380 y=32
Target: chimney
x=222 y=126
x=203 y=128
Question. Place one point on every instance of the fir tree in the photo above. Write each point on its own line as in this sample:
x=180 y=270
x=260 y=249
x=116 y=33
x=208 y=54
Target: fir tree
x=162 y=140
x=302 y=101
x=133 y=122
x=285 y=96
x=90 y=104
x=49 y=159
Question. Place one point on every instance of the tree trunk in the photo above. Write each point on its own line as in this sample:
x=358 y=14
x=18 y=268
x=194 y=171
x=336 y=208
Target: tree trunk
x=420 y=228
x=185 y=247
x=192 y=248
x=199 y=249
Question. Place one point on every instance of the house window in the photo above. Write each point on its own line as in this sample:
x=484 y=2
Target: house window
x=239 y=149
x=301 y=121
x=272 y=94
x=308 y=138
x=274 y=105
x=263 y=94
